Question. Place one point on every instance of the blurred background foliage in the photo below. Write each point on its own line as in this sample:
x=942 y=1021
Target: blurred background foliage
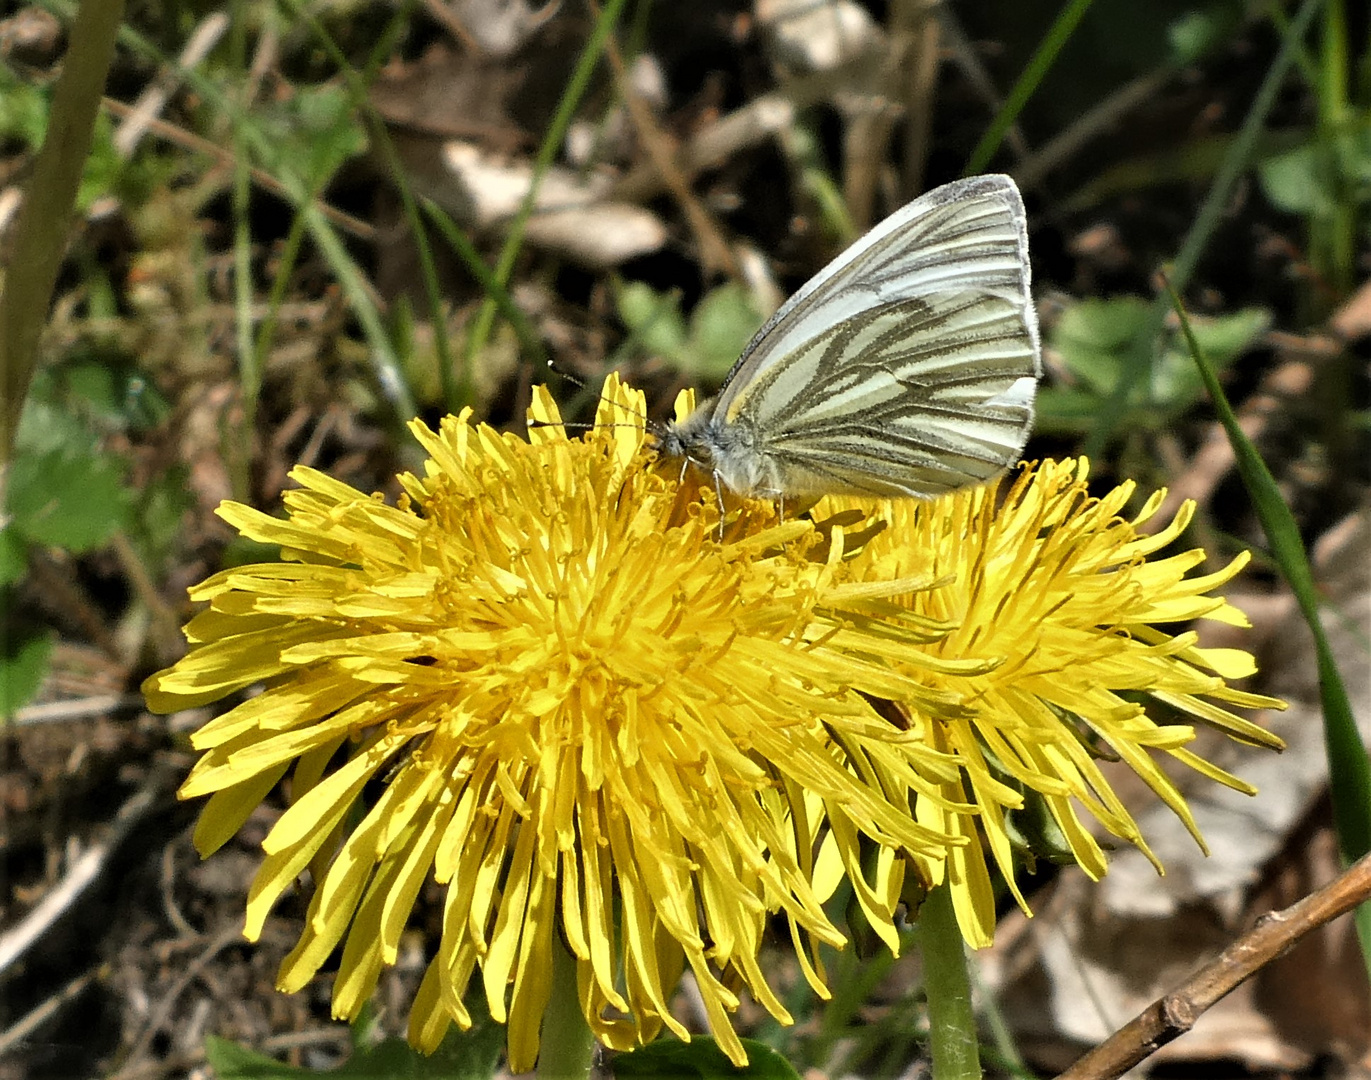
x=300 y=225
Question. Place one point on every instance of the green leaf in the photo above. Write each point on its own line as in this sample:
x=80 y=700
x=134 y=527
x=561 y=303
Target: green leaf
x=1097 y=340
x=463 y=1055
x=96 y=387
x=14 y=556
x=68 y=498
x=1034 y=827
x=161 y=508
x=720 y=327
x=1064 y=410
x=312 y=133
x=1322 y=172
x=331 y=132
x=1289 y=180
x=701 y=1059
x=23 y=110
x=1176 y=383
x=45 y=426
x=1094 y=336
x=233 y=1062
x=110 y=394
x=1197 y=32
x=1348 y=767
x=23 y=663
x=653 y=318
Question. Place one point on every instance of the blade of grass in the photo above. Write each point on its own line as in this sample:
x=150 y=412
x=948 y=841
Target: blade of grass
x=1333 y=225
x=456 y=384
x=1038 y=66
x=290 y=249
x=1349 y=771
x=1332 y=221
x=1235 y=163
x=465 y=250
x=389 y=373
x=40 y=233
x=249 y=360
x=566 y=110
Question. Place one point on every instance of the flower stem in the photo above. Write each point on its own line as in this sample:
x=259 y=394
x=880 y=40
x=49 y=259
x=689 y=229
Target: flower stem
x=951 y=1019
x=566 y=1048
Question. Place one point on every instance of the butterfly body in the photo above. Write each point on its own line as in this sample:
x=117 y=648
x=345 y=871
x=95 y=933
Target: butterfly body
x=908 y=366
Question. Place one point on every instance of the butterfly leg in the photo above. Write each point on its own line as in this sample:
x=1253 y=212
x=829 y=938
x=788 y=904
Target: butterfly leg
x=719 y=494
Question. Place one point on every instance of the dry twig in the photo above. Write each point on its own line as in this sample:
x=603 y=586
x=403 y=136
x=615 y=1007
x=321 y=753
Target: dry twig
x=917 y=37
x=715 y=253
x=82 y=708
x=1094 y=121
x=1175 y=1014
x=762 y=118
x=226 y=936
x=18 y=939
x=14 y=1035
x=187 y=140
x=154 y=99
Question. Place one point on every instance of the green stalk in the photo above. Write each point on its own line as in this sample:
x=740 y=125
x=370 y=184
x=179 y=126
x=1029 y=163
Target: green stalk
x=389 y=373
x=457 y=386
x=566 y=1048
x=465 y=250
x=40 y=233
x=1349 y=772
x=290 y=248
x=1038 y=66
x=951 y=1019
x=1332 y=241
x=1211 y=212
x=556 y=133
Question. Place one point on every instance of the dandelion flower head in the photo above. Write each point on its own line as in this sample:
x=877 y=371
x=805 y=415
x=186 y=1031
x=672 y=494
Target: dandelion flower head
x=1059 y=598
x=578 y=697
x=549 y=681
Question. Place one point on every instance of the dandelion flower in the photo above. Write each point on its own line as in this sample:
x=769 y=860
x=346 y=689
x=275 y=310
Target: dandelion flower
x=1054 y=592
x=551 y=681
x=573 y=696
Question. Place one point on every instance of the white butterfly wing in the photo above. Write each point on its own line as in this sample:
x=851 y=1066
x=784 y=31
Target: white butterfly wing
x=909 y=364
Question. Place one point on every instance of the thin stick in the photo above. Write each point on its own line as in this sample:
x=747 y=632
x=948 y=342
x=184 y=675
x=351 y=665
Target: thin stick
x=18 y=939
x=54 y=712
x=1175 y=1014
x=762 y=118
x=35 y=1018
x=1094 y=121
x=715 y=253
x=915 y=23
x=154 y=99
x=227 y=935
x=188 y=140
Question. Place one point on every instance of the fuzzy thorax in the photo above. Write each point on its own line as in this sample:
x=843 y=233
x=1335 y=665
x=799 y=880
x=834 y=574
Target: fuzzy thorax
x=728 y=451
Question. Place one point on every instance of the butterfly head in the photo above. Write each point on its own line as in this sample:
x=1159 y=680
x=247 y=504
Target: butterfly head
x=727 y=451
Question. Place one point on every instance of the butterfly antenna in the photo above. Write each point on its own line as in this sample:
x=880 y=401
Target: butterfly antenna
x=569 y=376
x=647 y=425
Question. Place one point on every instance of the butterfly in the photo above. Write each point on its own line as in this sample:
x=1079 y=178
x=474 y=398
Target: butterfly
x=906 y=367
